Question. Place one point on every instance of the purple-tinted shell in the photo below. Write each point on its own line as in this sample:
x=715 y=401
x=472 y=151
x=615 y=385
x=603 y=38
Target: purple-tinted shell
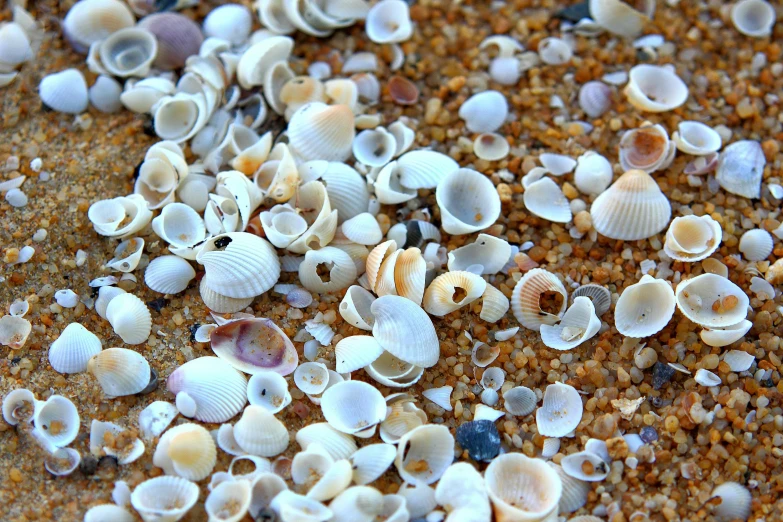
x=702 y=165
x=299 y=298
x=255 y=345
x=595 y=98
x=178 y=37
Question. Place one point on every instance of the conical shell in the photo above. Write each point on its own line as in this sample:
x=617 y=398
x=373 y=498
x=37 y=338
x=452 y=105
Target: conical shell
x=164 y=499
x=756 y=244
x=130 y=318
x=353 y=406
x=339 y=445
x=490 y=252
x=527 y=294
x=692 y=238
x=356 y=306
x=168 y=274
x=319 y=131
x=120 y=371
x=741 y=167
x=735 y=502
x=424 y=454
x=726 y=336
x=522 y=489
x=545 y=199
x=71 y=352
x=654 y=88
x=370 y=462
x=239 y=265
x=753 y=18
x=208 y=389
x=269 y=390
x=560 y=412
x=644 y=308
x=579 y=324
x=187 y=451
x=355 y=352
x=424 y=168
x=342 y=271
x=229 y=501
x=220 y=303
x=468 y=202
x=405 y=330
x=600 y=296
x=646 y=148
x=254 y=344
x=711 y=300
x=632 y=208
x=439 y=298
x=91 y=21
x=65 y=91
x=56 y=421
x=259 y=433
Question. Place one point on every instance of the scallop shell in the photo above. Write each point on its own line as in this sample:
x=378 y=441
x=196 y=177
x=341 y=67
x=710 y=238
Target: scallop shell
x=424 y=454
x=560 y=412
x=208 y=389
x=229 y=501
x=490 y=146
x=355 y=352
x=439 y=298
x=579 y=324
x=468 y=202
x=545 y=199
x=56 y=422
x=178 y=38
x=388 y=187
x=322 y=132
x=72 y=350
x=120 y=371
x=254 y=344
x=130 y=318
x=65 y=91
x=155 y=418
x=164 y=499
x=389 y=22
x=654 y=88
x=362 y=229
x=692 y=238
x=753 y=18
x=347 y=190
x=355 y=308
x=239 y=265
x=521 y=488
x=424 y=168
x=696 y=138
x=258 y=432
x=342 y=271
x=726 y=336
x=405 y=330
x=595 y=98
x=735 y=502
x=187 y=451
x=269 y=390
x=105 y=296
x=600 y=296
x=526 y=298
x=168 y=274
x=19 y=406
x=231 y=22
x=593 y=173
x=484 y=112
x=90 y=21
x=260 y=57
x=353 y=406
x=385 y=284
x=646 y=148
x=410 y=274
x=711 y=300
x=221 y=303
x=520 y=401
x=740 y=168
x=756 y=244
x=632 y=208
x=339 y=445
x=644 y=308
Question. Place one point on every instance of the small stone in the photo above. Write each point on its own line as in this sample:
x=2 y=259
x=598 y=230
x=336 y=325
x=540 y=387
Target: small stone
x=16 y=198
x=480 y=438
x=583 y=221
x=617 y=448
x=153 y=384
x=604 y=426
x=158 y=304
x=648 y=434
x=662 y=374
x=36 y=164
x=89 y=464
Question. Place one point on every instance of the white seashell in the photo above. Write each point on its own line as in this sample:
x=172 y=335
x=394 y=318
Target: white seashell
x=545 y=199
x=740 y=168
x=347 y=190
x=105 y=296
x=726 y=336
x=19 y=406
x=141 y=96
x=90 y=21
x=360 y=62
x=550 y=448
x=104 y=94
x=403 y=136
x=290 y=506
x=180 y=117
x=593 y=173
x=505 y=70
x=260 y=467
x=266 y=487
x=313 y=201
x=644 y=308
x=66 y=298
x=342 y=271
x=579 y=324
x=353 y=406
x=258 y=432
x=738 y=360
x=322 y=132
x=100 y=444
x=269 y=390
x=389 y=22
x=65 y=91
x=316 y=469
x=711 y=300
x=462 y=493
x=653 y=88
x=311 y=378
x=372 y=461
x=735 y=502
x=554 y=51
x=621 y=18
x=230 y=500
x=520 y=401
x=108 y=513
x=557 y=164
x=632 y=208
x=355 y=308
x=483 y=355
x=239 y=264
x=155 y=418
x=484 y=112
x=762 y=288
x=56 y=421
x=355 y=352
x=128 y=52
x=127 y=255
x=490 y=146
x=339 y=445
x=595 y=98
x=14 y=331
x=696 y=138
x=374 y=147
x=19 y=308
x=490 y=252
x=362 y=229
x=753 y=18
x=120 y=371
x=424 y=168
x=521 y=488
x=440 y=396
x=187 y=451
x=490 y=397
x=72 y=350
x=692 y=238
x=231 y=22
x=646 y=148
x=164 y=499
x=706 y=378
x=526 y=299
x=169 y=274
x=260 y=57
x=179 y=225
x=468 y=202
x=208 y=389
x=560 y=412
x=130 y=318
x=221 y=303
x=388 y=187
x=493 y=378
x=424 y=454
x=585 y=466
x=451 y=291
x=403 y=329
x=756 y=244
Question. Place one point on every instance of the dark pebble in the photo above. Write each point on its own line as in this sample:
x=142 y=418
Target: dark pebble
x=89 y=464
x=662 y=374
x=158 y=304
x=480 y=438
x=266 y=515
x=153 y=384
x=648 y=434
x=575 y=12
x=193 y=332
x=108 y=462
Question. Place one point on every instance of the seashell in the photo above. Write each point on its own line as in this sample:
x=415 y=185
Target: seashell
x=361 y=503
x=462 y=493
x=229 y=501
x=254 y=344
x=342 y=271
x=579 y=324
x=355 y=308
x=505 y=70
x=360 y=62
x=593 y=173
x=726 y=336
x=490 y=252
x=585 y=466
x=554 y=51
x=484 y=112
x=353 y=406
x=104 y=94
x=266 y=486
x=389 y=22
x=390 y=371
x=56 y=421
x=19 y=406
x=90 y=21
x=451 y=291
x=737 y=360
x=560 y=412
x=388 y=187
x=356 y=351
x=692 y=238
x=403 y=135
x=320 y=131
x=180 y=226
x=120 y=371
x=260 y=57
x=339 y=445
x=545 y=199
x=299 y=91
x=370 y=462
x=521 y=488
x=325 y=477
x=468 y=202
x=711 y=300
x=105 y=296
x=756 y=244
x=735 y=502
x=424 y=454
x=127 y=255
x=260 y=467
x=164 y=499
x=313 y=202
x=740 y=168
x=155 y=418
x=490 y=146
x=269 y=390
x=424 y=168
x=311 y=378
x=180 y=117
x=654 y=88
x=19 y=308
x=72 y=350
x=187 y=451
x=374 y=147
x=440 y=396
x=753 y=18
x=208 y=389
x=239 y=265
x=410 y=274
x=600 y=296
x=127 y=52
x=108 y=513
x=762 y=288
x=520 y=401
x=106 y=439
x=644 y=308
x=347 y=190
x=526 y=299
x=168 y=274
x=632 y=208
x=65 y=91
x=66 y=298
x=574 y=495
x=14 y=331
x=696 y=138
x=490 y=397
x=620 y=18
x=130 y=318
x=483 y=355
x=258 y=432
x=221 y=303
x=706 y=378
x=177 y=35
x=342 y=91
x=646 y=148
x=362 y=229
x=404 y=329
x=595 y=98
x=290 y=506
x=231 y=22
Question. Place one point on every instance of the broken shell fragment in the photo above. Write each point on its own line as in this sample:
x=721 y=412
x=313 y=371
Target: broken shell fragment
x=253 y=345
x=526 y=299
x=741 y=167
x=644 y=308
x=451 y=291
x=711 y=300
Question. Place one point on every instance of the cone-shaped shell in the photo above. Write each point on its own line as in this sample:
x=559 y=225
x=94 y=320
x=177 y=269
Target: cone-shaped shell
x=560 y=412
x=468 y=202
x=355 y=352
x=644 y=308
x=208 y=389
x=404 y=329
x=424 y=454
x=527 y=294
x=258 y=432
x=451 y=291
x=253 y=345
x=692 y=238
x=355 y=308
x=711 y=300
x=239 y=264
x=229 y=501
x=726 y=336
x=168 y=274
x=71 y=352
x=187 y=451
x=522 y=489
x=654 y=88
x=130 y=318
x=164 y=499
x=579 y=324
x=56 y=421
x=322 y=132
x=120 y=371
x=632 y=208
x=353 y=406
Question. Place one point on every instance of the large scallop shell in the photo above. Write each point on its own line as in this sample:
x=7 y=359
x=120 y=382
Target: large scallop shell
x=468 y=202
x=644 y=308
x=522 y=489
x=654 y=88
x=711 y=300
x=692 y=238
x=560 y=412
x=164 y=499
x=527 y=294
x=208 y=389
x=253 y=345
x=73 y=349
x=120 y=371
x=130 y=318
x=168 y=274
x=424 y=454
x=187 y=451
x=451 y=291
x=258 y=432
x=322 y=132
x=239 y=264
x=347 y=190
x=579 y=324
x=404 y=329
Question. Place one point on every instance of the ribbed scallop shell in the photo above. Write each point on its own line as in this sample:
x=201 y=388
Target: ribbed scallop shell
x=654 y=88
x=692 y=238
x=245 y=267
x=347 y=190
x=468 y=202
x=599 y=295
x=339 y=445
x=439 y=298
x=254 y=344
x=404 y=329
x=91 y=21
x=424 y=454
x=353 y=406
x=644 y=308
x=164 y=499
x=120 y=371
x=579 y=324
x=259 y=433
x=384 y=284
x=186 y=450
x=319 y=131
x=130 y=318
x=735 y=502
x=363 y=229
x=208 y=389
x=169 y=274
x=65 y=91
x=372 y=461
x=72 y=350
x=342 y=271
x=410 y=275
x=632 y=208
x=595 y=98
x=526 y=298
x=560 y=412
x=711 y=300
x=726 y=336
x=520 y=401
x=756 y=244
x=105 y=295
x=355 y=352
x=574 y=492
x=220 y=303
x=491 y=252
x=424 y=168
x=522 y=488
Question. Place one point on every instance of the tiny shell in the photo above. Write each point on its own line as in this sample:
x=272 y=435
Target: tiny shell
x=355 y=352
x=738 y=360
x=440 y=396
x=726 y=336
x=484 y=112
x=269 y=390
x=521 y=488
x=57 y=421
x=706 y=378
x=644 y=308
x=389 y=22
x=696 y=138
x=72 y=350
x=62 y=462
x=186 y=450
x=753 y=18
x=621 y=18
x=405 y=330
x=355 y=308
x=168 y=274
x=655 y=88
x=692 y=238
x=19 y=406
x=579 y=324
x=178 y=38
x=451 y=291
x=127 y=255
x=424 y=168
x=595 y=98
x=593 y=173
x=155 y=418
x=756 y=244
x=322 y=132
x=646 y=148
x=585 y=466
x=229 y=501
x=367 y=406
x=403 y=91
x=490 y=146
x=554 y=51
x=374 y=147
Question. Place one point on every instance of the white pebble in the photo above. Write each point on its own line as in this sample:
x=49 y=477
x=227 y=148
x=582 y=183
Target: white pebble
x=311 y=348
x=66 y=298
x=40 y=234
x=16 y=198
x=81 y=257
x=43 y=176
x=12 y=163
x=36 y=164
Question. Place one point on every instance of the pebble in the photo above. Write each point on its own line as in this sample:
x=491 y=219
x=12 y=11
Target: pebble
x=648 y=434
x=480 y=438
x=16 y=198
x=662 y=374
x=40 y=235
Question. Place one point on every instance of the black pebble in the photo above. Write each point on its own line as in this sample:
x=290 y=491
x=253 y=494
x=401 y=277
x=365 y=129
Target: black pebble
x=158 y=304
x=648 y=434
x=662 y=374
x=107 y=461
x=193 y=332
x=575 y=12
x=480 y=438
x=88 y=465
x=223 y=242
x=149 y=128
x=266 y=515
x=153 y=384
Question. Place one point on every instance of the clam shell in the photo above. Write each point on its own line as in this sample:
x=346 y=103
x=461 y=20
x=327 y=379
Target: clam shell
x=319 y=131
x=600 y=296
x=735 y=502
x=384 y=284
x=621 y=18
x=593 y=173
x=374 y=147
x=579 y=324
x=104 y=94
x=231 y=22
x=692 y=238
x=258 y=432
x=19 y=406
x=439 y=298
x=376 y=258
x=388 y=187
x=424 y=168
x=490 y=146
x=440 y=396
x=244 y=267
x=646 y=148
x=168 y=274
x=462 y=493
x=347 y=190
x=468 y=202
x=560 y=412
x=526 y=298
x=632 y=208
x=177 y=35
x=342 y=271
x=644 y=308
x=355 y=308
x=56 y=421
x=127 y=255
x=187 y=451
x=738 y=360
x=410 y=275
x=490 y=252
x=353 y=406
x=65 y=91
x=254 y=344
x=105 y=296
x=269 y=390
x=424 y=454
x=355 y=352
x=208 y=389
x=339 y=445
x=595 y=98
x=521 y=488
x=120 y=371
x=289 y=505
x=220 y=303
x=229 y=501
x=753 y=18
x=108 y=512
x=756 y=244
x=484 y=112
x=654 y=88
x=389 y=22
x=362 y=229
x=260 y=57
x=545 y=199
x=155 y=418
x=90 y=21
x=164 y=499
x=130 y=318
x=405 y=330
x=372 y=461
x=520 y=401
x=585 y=466
x=740 y=168
x=711 y=300
x=726 y=336
x=696 y=138
x=72 y=350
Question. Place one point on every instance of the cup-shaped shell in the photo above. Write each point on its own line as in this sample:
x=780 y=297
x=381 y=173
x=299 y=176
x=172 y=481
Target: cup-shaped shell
x=374 y=147
x=726 y=336
x=266 y=486
x=756 y=244
x=468 y=202
x=260 y=57
x=491 y=252
x=451 y=291
x=560 y=412
x=291 y=506
x=593 y=173
x=522 y=489
x=269 y=390
x=168 y=274
x=239 y=264
x=484 y=112
x=355 y=352
x=282 y=225
x=220 y=303
x=90 y=21
x=128 y=52
x=229 y=501
x=353 y=406
x=187 y=451
x=388 y=187
x=180 y=117
x=65 y=91
x=741 y=167
x=404 y=329
x=19 y=406
x=130 y=318
x=56 y=421
x=692 y=238
x=644 y=308
x=338 y=444
x=527 y=296
x=311 y=378
x=127 y=255
x=322 y=132
x=545 y=199
x=164 y=499
x=585 y=466
x=711 y=300
x=424 y=454
x=696 y=138
x=424 y=168
x=342 y=271
x=654 y=88
x=735 y=502
x=389 y=22
x=753 y=18
x=258 y=432
x=120 y=371
x=646 y=148
x=208 y=389
x=579 y=324
x=254 y=344
x=73 y=349
x=632 y=208
x=621 y=18
x=179 y=225
x=491 y=146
